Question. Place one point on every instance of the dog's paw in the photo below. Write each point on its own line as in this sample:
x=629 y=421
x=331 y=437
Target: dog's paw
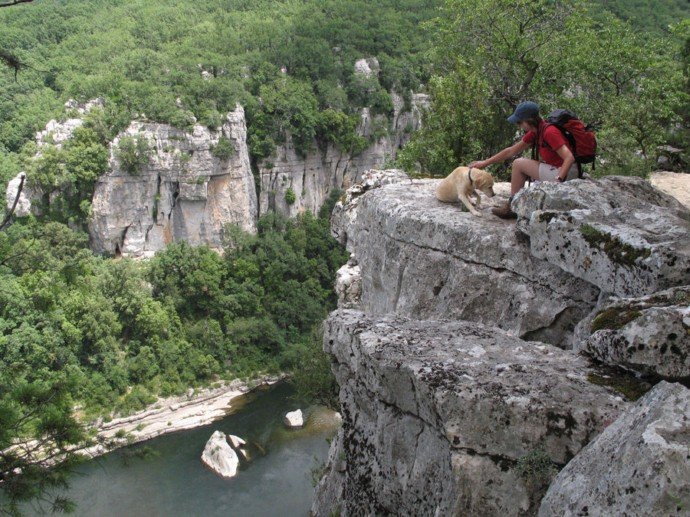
x=478 y=214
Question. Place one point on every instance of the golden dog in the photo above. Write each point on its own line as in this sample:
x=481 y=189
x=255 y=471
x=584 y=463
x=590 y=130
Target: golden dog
x=464 y=182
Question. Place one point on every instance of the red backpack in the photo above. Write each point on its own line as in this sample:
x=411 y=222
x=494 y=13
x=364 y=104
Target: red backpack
x=581 y=138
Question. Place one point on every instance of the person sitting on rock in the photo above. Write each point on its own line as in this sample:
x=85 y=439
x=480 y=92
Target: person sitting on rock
x=558 y=165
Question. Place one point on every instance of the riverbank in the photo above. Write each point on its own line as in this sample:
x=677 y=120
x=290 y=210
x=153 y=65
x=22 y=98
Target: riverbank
x=168 y=415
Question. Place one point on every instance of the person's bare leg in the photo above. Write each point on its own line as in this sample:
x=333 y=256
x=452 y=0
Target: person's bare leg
x=523 y=168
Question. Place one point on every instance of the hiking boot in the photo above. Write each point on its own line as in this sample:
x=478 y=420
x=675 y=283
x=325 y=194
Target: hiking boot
x=504 y=212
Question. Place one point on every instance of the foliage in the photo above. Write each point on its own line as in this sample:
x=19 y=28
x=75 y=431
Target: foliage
x=560 y=54
x=290 y=196
x=133 y=153
x=313 y=380
x=80 y=331
x=223 y=150
x=341 y=129
x=177 y=61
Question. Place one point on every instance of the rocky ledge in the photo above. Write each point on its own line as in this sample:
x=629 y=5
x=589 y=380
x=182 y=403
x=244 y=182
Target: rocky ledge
x=453 y=400
x=438 y=417
x=618 y=233
x=426 y=259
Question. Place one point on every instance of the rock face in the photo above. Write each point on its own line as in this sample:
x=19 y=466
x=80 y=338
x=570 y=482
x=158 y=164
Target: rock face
x=219 y=456
x=345 y=210
x=449 y=417
x=438 y=414
x=426 y=259
x=348 y=285
x=314 y=176
x=294 y=418
x=617 y=233
x=183 y=193
x=650 y=335
x=23 y=207
x=639 y=465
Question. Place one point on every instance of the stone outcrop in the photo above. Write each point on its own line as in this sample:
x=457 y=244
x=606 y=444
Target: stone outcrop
x=650 y=335
x=348 y=284
x=618 y=233
x=345 y=210
x=184 y=192
x=437 y=415
x=446 y=413
x=639 y=465
x=55 y=133
x=426 y=259
x=23 y=206
x=219 y=456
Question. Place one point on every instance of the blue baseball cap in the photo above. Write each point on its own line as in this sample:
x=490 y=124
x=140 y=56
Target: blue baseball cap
x=525 y=110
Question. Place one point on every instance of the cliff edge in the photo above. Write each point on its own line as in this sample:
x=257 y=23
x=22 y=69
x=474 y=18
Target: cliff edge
x=461 y=346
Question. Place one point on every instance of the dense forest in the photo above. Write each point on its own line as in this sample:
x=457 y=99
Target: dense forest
x=96 y=335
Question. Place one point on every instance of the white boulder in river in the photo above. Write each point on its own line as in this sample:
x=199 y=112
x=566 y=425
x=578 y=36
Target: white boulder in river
x=294 y=419
x=239 y=445
x=219 y=456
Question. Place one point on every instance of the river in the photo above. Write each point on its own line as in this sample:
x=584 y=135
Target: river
x=175 y=482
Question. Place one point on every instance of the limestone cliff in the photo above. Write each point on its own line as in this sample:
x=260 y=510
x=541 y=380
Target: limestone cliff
x=183 y=193
x=313 y=176
x=453 y=400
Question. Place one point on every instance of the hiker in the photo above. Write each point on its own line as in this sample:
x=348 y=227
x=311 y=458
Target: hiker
x=557 y=159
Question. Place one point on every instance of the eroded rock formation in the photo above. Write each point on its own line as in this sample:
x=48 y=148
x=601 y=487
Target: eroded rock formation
x=323 y=169
x=639 y=465
x=446 y=413
x=438 y=414
x=426 y=259
x=648 y=334
x=184 y=192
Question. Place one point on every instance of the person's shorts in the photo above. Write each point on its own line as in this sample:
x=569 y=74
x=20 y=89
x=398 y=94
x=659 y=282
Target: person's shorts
x=550 y=173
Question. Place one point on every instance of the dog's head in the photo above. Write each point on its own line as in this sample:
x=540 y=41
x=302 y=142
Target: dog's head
x=483 y=181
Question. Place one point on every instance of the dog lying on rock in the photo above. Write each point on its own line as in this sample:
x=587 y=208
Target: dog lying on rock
x=464 y=182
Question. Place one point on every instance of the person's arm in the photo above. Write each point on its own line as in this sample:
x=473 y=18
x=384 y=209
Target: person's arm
x=503 y=155
x=568 y=160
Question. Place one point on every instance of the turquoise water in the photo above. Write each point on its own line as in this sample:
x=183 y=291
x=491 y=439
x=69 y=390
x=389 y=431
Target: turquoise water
x=175 y=482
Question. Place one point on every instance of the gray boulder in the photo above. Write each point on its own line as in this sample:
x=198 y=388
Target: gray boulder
x=439 y=416
x=618 y=233
x=649 y=335
x=344 y=212
x=638 y=466
x=219 y=456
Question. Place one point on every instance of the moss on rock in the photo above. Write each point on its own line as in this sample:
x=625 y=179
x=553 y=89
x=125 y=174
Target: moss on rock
x=614 y=318
x=618 y=251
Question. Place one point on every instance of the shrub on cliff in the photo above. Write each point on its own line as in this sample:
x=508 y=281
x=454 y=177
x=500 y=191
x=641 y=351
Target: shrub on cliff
x=133 y=153
x=223 y=150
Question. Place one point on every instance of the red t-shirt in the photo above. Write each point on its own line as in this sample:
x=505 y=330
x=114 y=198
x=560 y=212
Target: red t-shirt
x=551 y=139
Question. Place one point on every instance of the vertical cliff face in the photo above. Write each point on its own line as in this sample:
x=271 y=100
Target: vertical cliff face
x=453 y=400
x=313 y=176
x=185 y=191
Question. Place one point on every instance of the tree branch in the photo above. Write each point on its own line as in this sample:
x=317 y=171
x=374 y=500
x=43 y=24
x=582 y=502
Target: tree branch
x=15 y=2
